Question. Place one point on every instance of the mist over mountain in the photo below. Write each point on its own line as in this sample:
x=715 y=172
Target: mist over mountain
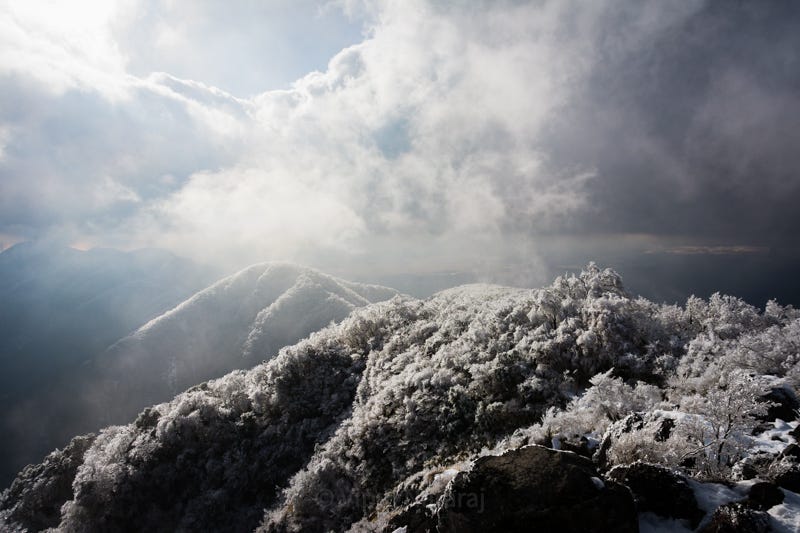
x=60 y=308
x=574 y=407
x=234 y=323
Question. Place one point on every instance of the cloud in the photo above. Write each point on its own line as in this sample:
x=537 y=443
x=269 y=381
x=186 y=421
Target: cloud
x=427 y=131
x=63 y=46
x=242 y=47
x=450 y=136
x=713 y=250
x=233 y=210
x=690 y=130
x=80 y=158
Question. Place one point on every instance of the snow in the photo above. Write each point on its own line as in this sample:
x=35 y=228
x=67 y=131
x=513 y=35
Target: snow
x=785 y=517
x=712 y=495
x=774 y=440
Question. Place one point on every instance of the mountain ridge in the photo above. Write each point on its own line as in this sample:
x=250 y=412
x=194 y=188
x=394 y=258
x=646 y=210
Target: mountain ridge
x=226 y=323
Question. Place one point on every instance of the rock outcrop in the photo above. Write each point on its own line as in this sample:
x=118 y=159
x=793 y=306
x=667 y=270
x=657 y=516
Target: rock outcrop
x=534 y=489
x=764 y=496
x=660 y=491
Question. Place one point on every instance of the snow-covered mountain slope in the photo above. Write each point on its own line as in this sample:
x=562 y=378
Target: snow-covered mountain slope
x=61 y=307
x=464 y=412
x=234 y=324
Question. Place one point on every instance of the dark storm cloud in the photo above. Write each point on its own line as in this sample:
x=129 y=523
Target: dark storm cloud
x=693 y=132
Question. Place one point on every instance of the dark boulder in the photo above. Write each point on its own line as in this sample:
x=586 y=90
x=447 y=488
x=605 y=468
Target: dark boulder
x=664 y=429
x=783 y=404
x=791 y=452
x=737 y=518
x=789 y=479
x=535 y=489
x=416 y=518
x=764 y=495
x=762 y=426
x=753 y=466
x=660 y=491
x=577 y=444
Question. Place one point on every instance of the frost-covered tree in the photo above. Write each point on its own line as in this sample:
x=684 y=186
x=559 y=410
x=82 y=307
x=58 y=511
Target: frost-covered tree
x=708 y=433
x=724 y=418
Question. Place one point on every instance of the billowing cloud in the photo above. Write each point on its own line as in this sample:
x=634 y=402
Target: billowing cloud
x=242 y=47
x=429 y=128
x=484 y=136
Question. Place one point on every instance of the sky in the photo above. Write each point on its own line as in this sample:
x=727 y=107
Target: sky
x=495 y=141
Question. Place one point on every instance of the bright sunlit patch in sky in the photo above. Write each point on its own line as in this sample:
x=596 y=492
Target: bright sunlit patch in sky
x=64 y=18
x=63 y=44
x=244 y=48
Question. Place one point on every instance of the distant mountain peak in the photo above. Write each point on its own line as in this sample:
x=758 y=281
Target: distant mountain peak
x=235 y=323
